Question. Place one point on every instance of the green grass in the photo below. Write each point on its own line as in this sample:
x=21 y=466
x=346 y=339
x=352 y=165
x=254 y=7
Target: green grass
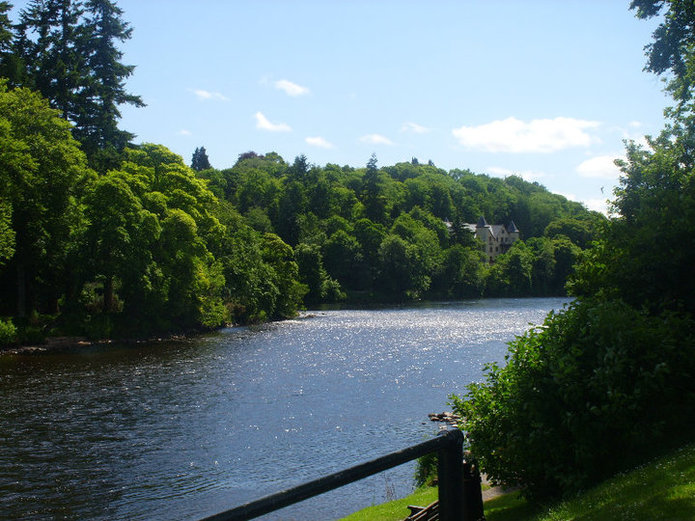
x=663 y=490
x=395 y=510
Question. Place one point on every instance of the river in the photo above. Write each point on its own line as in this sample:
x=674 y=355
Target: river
x=186 y=429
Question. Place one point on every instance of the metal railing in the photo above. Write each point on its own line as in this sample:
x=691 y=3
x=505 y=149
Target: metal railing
x=454 y=502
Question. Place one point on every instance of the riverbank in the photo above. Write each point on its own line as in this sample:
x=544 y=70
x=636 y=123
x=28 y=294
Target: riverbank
x=70 y=343
x=63 y=344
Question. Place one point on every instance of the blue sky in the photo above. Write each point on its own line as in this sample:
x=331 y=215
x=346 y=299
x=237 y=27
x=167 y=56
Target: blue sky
x=545 y=89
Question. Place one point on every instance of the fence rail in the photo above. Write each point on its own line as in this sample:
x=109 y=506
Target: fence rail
x=453 y=505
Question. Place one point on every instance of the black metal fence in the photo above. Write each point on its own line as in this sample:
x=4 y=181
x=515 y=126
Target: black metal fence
x=455 y=503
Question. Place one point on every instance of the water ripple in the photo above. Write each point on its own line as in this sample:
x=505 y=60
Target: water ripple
x=191 y=428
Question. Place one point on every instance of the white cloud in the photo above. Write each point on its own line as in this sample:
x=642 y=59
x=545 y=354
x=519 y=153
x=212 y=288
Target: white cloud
x=597 y=205
x=184 y=132
x=291 y=89
x=414 y=128
x=264 y=124
x=602 y=167
x=526 y=175
x=207 y=95
x=376 y=139
x=567 y=195
x=319 y=142
x=538 y=135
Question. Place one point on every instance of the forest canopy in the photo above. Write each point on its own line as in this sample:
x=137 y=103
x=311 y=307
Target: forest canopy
x=100 y=236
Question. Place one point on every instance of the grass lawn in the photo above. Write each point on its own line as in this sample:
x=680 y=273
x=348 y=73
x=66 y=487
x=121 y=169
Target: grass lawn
x=663 y=490
x=395 y=510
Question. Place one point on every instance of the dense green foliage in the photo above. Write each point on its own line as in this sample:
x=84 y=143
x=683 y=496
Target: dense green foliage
x=396 y=233
x=611 y=377
x=68 y=51
x=582 y=397
x=151 y=245
x=102 y=237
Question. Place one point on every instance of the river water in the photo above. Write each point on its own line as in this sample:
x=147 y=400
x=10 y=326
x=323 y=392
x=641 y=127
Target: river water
x=182 y=430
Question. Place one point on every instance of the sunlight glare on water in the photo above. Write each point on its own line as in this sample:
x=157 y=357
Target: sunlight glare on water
x=184 y=430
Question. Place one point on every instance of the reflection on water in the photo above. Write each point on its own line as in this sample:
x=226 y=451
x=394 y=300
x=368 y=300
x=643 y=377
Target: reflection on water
x=187 y=429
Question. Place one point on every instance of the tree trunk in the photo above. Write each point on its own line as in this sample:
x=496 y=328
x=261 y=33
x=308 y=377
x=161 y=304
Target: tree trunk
x=108 y=294
x=21 y=291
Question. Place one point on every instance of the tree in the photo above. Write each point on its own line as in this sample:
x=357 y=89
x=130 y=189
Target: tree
x=7 y=235
x=402 y=273
x=373 y=197
x=343 y=259
x=607 y=379
x=299 y=168
x=6 y=32
x=9 y=64
x=43 y=172
x=291 y=205
x=645 y=255
x=285 y=272
x=592 y=390
x=321 y=287
x=119 y=237
x=68 y=50
x=96 y=125
x=49 y=47
x=672 y=48
x=512 y=273
x=200 y=160
x=158 y=237
x=463 y=273
x=580 y=231
x=12 y=159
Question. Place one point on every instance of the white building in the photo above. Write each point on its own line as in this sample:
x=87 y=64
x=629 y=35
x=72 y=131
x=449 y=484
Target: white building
x=496 y=238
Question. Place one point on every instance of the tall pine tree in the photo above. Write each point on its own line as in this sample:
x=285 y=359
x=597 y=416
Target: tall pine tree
x=6 y=34
x=200 y=160
x=97 y=124
x=69 y=52
x=47 y=46
x=6 y=38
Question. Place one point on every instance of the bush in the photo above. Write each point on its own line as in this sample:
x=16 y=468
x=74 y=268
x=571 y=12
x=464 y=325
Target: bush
x=426 y=471
x=8 y=333
x=583 y=396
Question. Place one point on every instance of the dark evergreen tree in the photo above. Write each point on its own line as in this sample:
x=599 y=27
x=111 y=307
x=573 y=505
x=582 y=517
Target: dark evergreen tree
x=6 y=34
x=373 y=198
x=47 y=46
x=67 y=50
x=97 y=122
x=299 y=167
x=200 y=160
x=7 y=61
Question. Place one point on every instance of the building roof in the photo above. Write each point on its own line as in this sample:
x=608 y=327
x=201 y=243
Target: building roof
x=497 y=229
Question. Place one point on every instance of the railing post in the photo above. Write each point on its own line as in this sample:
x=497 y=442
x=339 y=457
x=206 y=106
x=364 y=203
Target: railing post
x=472 y=492
x=450 y=469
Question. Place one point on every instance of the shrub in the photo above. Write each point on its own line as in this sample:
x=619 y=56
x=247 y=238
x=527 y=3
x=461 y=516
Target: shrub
x=583 y=396
x=8 y=333
x=426 y=472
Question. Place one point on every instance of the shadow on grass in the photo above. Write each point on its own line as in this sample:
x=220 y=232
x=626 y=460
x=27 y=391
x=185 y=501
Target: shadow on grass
x=509 y=507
